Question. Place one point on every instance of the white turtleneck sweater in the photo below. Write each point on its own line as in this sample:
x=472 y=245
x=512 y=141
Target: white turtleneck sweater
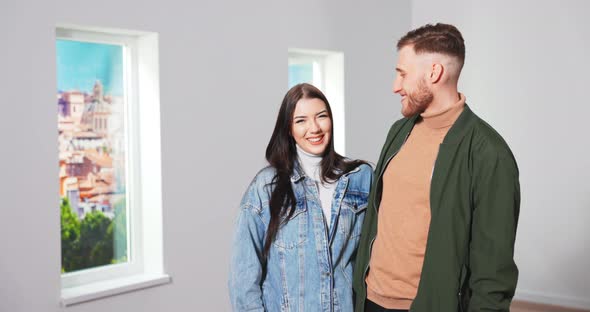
x=311 y=166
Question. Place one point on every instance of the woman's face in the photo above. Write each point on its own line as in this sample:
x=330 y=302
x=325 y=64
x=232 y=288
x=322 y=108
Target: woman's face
x=312 y=126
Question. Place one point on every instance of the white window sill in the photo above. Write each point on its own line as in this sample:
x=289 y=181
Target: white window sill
x=75 y=295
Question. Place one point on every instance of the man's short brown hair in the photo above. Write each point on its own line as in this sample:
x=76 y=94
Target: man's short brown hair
x=438 y=38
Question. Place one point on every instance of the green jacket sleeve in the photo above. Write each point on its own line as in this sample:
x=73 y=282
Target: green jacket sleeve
x=496 y=204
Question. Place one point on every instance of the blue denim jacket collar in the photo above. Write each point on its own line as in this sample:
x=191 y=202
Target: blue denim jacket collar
x=298 y=173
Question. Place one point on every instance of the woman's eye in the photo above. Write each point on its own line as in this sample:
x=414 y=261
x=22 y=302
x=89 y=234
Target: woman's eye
x=299 y=121
x=323 y=116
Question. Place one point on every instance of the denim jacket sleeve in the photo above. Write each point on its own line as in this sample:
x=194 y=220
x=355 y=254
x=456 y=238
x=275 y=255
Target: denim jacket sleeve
x=246 y=268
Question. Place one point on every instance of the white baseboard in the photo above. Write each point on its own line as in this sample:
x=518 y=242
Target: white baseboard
x=552 y=299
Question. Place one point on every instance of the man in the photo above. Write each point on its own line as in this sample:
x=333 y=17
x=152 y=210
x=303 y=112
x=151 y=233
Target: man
x=441 y=220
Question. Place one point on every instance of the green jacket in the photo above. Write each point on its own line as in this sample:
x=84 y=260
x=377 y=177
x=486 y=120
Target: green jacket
x=474 y=202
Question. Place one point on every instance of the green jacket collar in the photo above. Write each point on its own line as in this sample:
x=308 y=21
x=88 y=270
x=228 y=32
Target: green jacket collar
x=457 y=131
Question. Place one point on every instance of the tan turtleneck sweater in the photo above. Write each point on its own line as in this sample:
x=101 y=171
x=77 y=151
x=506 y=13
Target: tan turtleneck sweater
x=404 y=212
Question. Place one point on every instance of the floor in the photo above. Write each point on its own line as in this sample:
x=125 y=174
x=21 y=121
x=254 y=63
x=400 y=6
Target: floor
x=519 y=306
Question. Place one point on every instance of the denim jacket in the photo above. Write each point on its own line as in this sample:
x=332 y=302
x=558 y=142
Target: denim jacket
x=309 y=267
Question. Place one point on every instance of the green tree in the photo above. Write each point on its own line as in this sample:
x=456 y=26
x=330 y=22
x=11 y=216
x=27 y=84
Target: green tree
x=118 y=231
x=96 y=245
x=70 y=234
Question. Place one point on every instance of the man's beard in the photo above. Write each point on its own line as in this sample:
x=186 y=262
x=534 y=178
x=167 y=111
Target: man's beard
x=418 y=101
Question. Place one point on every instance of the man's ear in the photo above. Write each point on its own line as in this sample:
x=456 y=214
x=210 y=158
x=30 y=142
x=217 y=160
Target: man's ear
x=436 y=72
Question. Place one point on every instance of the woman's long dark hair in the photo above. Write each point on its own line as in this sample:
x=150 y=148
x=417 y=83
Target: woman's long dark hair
x=281 y=154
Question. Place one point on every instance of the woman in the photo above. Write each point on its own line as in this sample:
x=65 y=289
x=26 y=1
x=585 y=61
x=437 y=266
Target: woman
x=300 y=219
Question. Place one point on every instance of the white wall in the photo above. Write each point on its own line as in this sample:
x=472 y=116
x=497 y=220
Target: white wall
x=223 y=73
x=526 y=73
x=223 y=67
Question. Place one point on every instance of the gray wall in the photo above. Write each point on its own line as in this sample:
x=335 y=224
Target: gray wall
x=526 y=73
x=223 y=72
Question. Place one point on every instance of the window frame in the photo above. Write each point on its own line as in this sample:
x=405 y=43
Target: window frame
x=144 y=266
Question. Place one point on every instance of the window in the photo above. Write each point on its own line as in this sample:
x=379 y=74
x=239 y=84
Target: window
x=109 y=162
x=325 y=70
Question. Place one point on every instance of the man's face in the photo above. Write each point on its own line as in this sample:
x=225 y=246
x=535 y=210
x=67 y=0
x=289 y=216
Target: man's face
x=410 y=82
